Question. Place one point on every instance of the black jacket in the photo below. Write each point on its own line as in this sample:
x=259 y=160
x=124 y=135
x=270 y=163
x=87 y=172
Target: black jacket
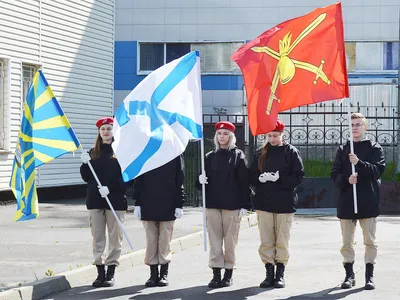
x=228 y=180
x=158 y=192
x=279 y=196
x=370 y=167
x=109 y=173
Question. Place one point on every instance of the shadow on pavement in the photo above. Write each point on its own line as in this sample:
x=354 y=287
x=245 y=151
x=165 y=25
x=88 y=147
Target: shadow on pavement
x=201 y=292
x=87 y=292
x=325 y=294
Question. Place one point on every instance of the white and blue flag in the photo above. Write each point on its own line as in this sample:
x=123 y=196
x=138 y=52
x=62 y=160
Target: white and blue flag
x=159 y=117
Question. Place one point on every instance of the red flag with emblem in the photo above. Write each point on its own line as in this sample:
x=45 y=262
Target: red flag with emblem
x=298 y=62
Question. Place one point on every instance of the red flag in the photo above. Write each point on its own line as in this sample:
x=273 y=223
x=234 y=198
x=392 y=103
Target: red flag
x=298 y=62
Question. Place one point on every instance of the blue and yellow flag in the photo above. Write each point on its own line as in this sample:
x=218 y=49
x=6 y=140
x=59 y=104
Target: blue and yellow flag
x=45 y=134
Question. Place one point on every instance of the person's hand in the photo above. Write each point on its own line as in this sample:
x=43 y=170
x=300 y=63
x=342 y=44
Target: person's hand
x=203 y=179
x=274 y=176
x=178 y=213
x=353 y=178
x=85 y=157
x=263 y=178
x=137 y=213
x=104 y=191
x=242 y=212
x=353 y=158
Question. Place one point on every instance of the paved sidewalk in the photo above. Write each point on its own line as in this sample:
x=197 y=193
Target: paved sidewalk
x=60 y=240
x=314 y=270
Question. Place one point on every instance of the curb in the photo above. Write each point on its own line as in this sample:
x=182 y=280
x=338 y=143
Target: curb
x=82 y=276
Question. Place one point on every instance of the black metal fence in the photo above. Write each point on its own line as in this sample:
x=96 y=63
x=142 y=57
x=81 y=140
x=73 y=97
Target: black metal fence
x=316 y=130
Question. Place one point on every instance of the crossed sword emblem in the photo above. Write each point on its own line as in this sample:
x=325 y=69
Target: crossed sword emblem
x=286 y=67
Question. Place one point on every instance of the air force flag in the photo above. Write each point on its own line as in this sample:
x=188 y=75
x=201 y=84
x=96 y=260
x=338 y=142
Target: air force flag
x=157 y=119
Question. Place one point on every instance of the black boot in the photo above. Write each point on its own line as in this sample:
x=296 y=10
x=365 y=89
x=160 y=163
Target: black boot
x=101 y=276
x=350 y=280
x=269 y=279
x=153 y=280
x=369 y=277
x=163 y=280
x=110 y=281
x=279 y=277
x=216 y=280
x=227 y=280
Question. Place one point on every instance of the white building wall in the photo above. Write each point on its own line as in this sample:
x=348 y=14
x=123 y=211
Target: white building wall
x=241 y=20
x=74 y=43
x=188 y=20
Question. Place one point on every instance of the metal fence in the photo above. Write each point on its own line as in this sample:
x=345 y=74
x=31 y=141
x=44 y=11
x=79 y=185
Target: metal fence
x=316 y=130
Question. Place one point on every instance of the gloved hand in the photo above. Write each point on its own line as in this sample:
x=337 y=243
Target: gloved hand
x=103 y=190
x=274 y=176
x=264 y=177
x=85 y=157
x=203 y=179
x=137 y=212
x=178 y=213
x=242 y=212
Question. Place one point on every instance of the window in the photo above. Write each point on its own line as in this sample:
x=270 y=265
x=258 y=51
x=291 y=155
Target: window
x=214 y=57
x=372 y=56
x=391 y=56
x=2 y=106
x=151 y=56
x=28 y=71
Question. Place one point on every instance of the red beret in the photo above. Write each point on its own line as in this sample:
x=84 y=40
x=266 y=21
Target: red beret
x=279 y=126
x=105 y=120
x=225 y=125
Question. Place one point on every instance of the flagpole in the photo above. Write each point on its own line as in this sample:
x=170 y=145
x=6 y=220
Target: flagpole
x=203 y=190
x=353 y=169
x=110 y=205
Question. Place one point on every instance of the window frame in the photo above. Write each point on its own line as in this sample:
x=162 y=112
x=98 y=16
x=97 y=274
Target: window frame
x=373 y=71
x=36 y=67
x=142 y=72
x=5 y=114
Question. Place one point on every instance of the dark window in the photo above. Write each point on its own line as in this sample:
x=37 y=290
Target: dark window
x=391 y=56
x=177 y=50
x=151 y=56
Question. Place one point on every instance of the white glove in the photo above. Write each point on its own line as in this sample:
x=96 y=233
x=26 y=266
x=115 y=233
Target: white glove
x=137 y=212
x=203 y=179
x=178 y=213
x=242 y=212
x=103 y=190
x=274 y=176
x=263 y=178
x=85 y=157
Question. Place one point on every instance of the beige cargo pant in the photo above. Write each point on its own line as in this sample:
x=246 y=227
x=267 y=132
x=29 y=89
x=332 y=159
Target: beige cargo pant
x=223 y=232
x=369 y=229
x=158 y=242
x=274 y=236
x=99 y=220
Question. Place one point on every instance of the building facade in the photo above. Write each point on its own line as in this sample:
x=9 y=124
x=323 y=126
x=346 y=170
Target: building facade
x=151 y=33
x=73 y=42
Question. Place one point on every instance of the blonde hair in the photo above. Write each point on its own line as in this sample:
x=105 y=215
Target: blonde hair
x=231 y=142
x=358 y=115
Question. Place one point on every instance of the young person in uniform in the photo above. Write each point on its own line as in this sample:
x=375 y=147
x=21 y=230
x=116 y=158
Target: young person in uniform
x=369 y=161
x=276 y=171
x=102 y=220
x=227 y=201
x=159 y=196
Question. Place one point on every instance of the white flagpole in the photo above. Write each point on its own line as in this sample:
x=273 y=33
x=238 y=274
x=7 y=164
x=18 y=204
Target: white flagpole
x=110 y=205
x=353 y=169
x=203 y=190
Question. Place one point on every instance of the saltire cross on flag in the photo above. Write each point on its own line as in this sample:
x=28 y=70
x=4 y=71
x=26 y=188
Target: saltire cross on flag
x=45 y=134
x=298 y=62
x=159 y=117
